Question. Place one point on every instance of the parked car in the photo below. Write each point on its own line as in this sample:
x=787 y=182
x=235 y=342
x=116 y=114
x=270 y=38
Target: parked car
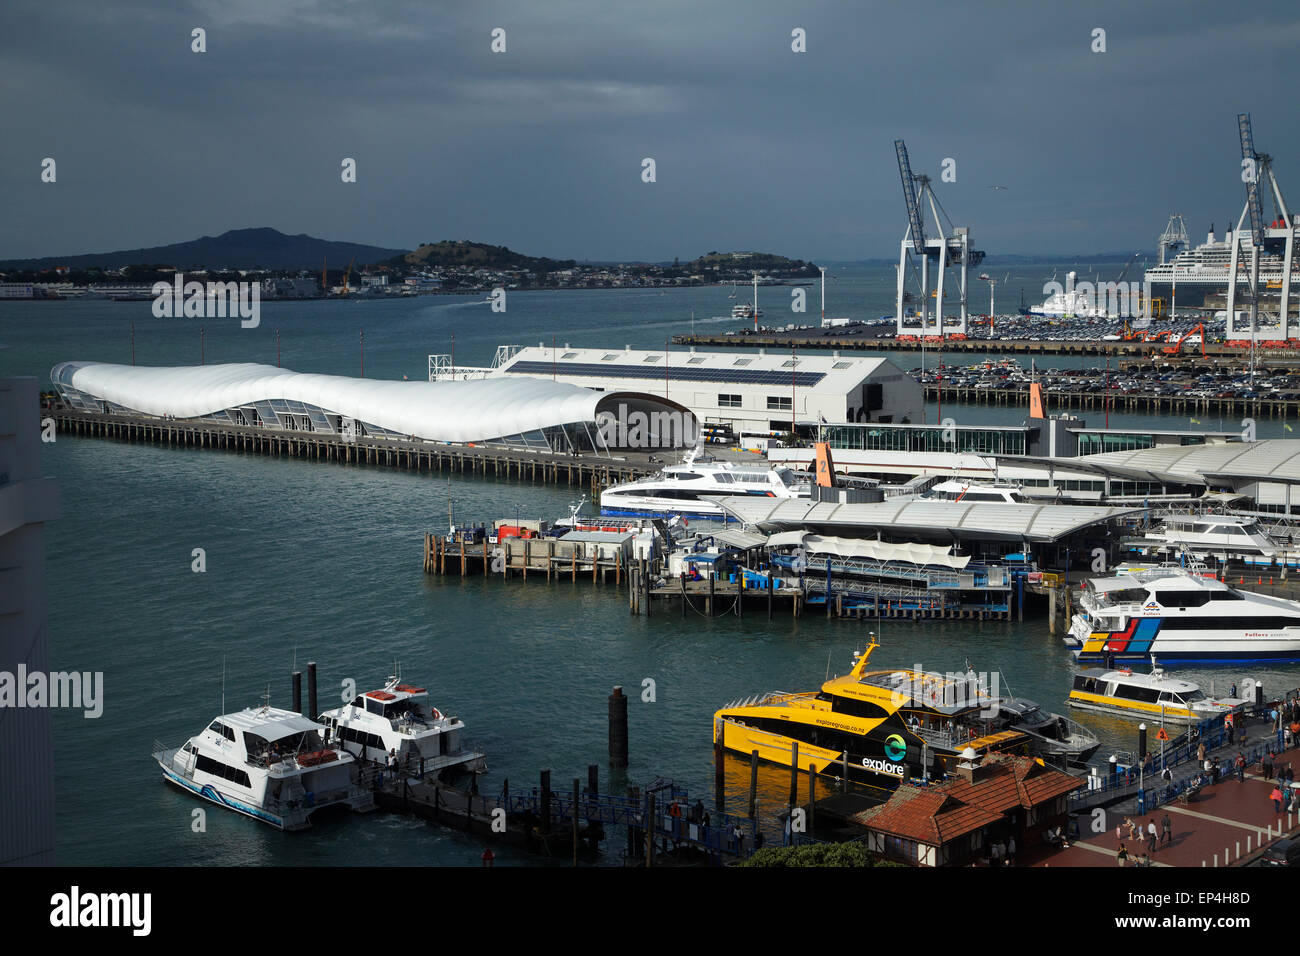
x=1282 y=853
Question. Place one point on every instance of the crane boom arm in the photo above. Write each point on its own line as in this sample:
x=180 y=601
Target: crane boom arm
x=909 y=196
x=1253 y=202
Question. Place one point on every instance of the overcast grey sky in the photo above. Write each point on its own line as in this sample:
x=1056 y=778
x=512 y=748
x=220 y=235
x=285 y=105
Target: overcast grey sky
x=540 y=148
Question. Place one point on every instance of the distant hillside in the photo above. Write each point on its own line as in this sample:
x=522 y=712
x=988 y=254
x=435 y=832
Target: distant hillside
x=477 y=255
x=238 y=249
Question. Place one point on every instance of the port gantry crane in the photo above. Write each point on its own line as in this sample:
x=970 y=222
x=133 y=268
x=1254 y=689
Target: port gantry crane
x=1277 y=235
x=948 y=248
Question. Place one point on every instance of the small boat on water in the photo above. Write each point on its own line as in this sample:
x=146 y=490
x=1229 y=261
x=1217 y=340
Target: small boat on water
x=1054 y=735
x=1148 y=696
x=268 y=764
x=400 y=720
x=1176 y=614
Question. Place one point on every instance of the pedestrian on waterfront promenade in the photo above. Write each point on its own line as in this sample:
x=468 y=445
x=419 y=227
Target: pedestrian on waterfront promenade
x=1200 y=754
x=1166 y=830
x=1240 y=763
x=1151 y=836
x=1011 y=851
x=1276 y=797
x=1267 y=763
x=1121 y=855
x=1131 y=827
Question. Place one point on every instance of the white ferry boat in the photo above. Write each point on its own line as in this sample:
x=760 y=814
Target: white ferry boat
x=268 y=764
x=688 y=489
x=1175 y=614
x=971 y=491
x=1070 y=303
x=399 y=719
x=1153 y=695
x=746 y=311
x=1219 y=535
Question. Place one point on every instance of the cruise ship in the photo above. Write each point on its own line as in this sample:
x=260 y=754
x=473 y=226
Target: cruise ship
x=1203 y=271
x=1178 y=615
x=268 y=764
x=888 y=726
x=689 y=489
x=399 y=720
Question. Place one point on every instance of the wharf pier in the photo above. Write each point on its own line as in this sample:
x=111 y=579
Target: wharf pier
x=1120 y=401
x=1228 y=823
x=586 y=471
x=738 y=590
x=572 y=823
x=817 y=339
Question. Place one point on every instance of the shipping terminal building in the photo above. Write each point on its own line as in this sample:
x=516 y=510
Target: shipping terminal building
x=758 y=392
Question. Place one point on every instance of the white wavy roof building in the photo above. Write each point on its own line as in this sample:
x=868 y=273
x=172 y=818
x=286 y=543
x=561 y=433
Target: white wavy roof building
x=457 y=412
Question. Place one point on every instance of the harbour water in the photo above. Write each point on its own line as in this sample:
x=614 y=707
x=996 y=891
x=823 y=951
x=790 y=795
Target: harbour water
x=312 y=561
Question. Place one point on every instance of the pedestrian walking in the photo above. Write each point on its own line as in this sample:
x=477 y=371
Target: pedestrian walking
x=1267 y=763
x=1166 y=830
x=1121 y=855
x=1276 y=797
x=1011 y=851
x=1200 y=753
x=1240 y=764
x=1151 y=837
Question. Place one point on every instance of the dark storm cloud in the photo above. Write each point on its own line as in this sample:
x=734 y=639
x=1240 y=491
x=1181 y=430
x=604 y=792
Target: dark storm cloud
x=540 y=148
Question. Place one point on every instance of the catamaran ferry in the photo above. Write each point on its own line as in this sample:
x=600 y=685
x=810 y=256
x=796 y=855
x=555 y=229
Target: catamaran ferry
x=885 y=727
x=1219 y=535
x=399 y=720
x=267 y=764
x=1147 y=696
x=1178 y=615
x=689 y=489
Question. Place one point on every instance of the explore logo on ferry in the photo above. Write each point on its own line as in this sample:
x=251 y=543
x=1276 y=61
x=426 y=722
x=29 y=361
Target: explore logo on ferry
x=895 y=748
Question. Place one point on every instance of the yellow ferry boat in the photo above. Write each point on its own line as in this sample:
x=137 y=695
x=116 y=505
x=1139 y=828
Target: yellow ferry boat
x=880 y=727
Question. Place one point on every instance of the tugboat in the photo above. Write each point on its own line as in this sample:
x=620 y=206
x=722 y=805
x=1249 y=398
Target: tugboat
x=399 y=720
x=268 y=764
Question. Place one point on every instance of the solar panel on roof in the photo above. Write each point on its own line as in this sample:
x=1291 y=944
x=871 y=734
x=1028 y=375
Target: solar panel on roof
x=738 y=376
